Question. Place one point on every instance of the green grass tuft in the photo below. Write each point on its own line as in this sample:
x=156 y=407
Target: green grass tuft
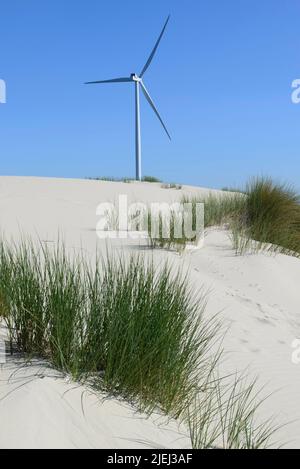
x=111 y=179
x=266 y=216
x=127 y=328
x=273 y=215
x=138 y=330
x=150 y=179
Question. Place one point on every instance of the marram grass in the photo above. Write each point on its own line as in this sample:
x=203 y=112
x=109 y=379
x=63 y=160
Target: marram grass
x=218 y=210
x=226 y=416
x=272 y=215
x=139 y=330
x=127 y=328
x=263 y=217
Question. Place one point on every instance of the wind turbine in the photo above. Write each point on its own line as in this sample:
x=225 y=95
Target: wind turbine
x=138 y=81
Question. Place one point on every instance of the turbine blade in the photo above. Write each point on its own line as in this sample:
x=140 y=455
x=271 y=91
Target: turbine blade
x=114 y=80
x=154 y=49
x=148 y=97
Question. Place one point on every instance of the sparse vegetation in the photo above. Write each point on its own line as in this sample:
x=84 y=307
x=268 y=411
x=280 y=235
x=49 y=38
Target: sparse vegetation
x=226 y=417
x=146 y=178
x=124 y=179
x=218 y=209
x=266 y=216
x=150 y=179
x=165 y=233
x=232 y=189
x=263 y=217
x=111 y=179
x=172 y=185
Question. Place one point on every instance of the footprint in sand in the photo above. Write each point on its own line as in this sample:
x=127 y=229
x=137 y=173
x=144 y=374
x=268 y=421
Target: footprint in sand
x=265 y=321
x=244 y=300
x=244 y=341
x=255 y=350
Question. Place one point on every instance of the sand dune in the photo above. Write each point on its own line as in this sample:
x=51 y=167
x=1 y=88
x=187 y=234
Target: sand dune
x=256 y=295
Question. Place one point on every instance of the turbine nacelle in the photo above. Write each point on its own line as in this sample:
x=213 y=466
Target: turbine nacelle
x=135 y=77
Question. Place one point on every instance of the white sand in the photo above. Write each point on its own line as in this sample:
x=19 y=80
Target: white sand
x=257 y=295
x=39 y=409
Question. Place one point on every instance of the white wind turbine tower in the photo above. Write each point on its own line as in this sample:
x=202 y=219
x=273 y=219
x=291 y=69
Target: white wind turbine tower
x=138 y=80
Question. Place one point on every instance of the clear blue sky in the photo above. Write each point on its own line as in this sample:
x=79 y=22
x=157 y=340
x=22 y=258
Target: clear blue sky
x=221 y=79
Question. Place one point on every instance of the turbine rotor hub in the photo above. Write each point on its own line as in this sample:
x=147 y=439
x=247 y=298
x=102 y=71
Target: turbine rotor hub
x=135 y=77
